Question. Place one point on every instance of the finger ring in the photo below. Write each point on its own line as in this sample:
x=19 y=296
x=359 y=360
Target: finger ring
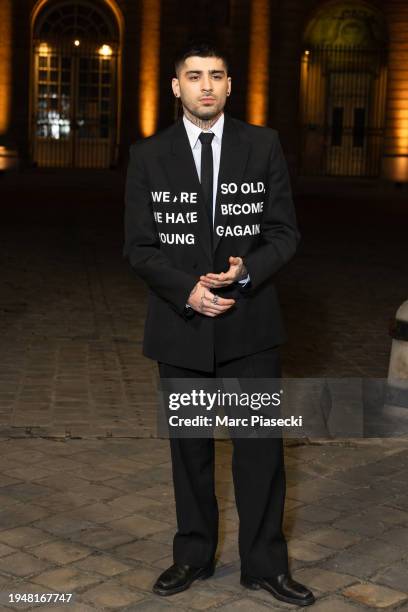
x=215 y=299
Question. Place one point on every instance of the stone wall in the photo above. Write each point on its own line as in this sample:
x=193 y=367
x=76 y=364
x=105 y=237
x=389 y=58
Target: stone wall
x=230 y=24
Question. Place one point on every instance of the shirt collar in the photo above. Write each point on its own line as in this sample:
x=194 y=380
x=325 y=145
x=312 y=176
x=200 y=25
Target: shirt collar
x=193 y=131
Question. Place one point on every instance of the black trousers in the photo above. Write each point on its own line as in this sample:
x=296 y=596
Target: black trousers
x=259 y=484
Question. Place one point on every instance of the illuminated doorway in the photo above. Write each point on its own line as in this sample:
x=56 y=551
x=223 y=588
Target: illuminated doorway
x=343 y=91
x=75 y=67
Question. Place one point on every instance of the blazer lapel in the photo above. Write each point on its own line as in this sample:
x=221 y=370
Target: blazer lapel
x=182 y=174
x=234 y=157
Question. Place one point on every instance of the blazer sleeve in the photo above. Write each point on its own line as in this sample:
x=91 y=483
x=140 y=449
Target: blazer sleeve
x=279 y=232
x=142 y=244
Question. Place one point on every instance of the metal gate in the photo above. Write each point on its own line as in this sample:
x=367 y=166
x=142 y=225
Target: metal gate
x=74 y=121
x=343 y=94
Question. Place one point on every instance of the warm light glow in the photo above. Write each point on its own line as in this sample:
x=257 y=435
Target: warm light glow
x=395 y=162
x=401 y=131
x=307 y=52
x=77 y=42
x=43 y=48
x=8 y=159
x=149 y=67
x=395 y=168
x=105 y=51
x=5 y=64
x=258 y=68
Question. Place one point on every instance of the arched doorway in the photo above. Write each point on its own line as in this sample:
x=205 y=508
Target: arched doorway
x=343 y=90
x=75 y=85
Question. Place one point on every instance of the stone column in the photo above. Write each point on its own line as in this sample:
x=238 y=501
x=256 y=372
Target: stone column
x=395 y=158
x=149 y=72
x=13 y=89
x=258 y=65
x=5 y=65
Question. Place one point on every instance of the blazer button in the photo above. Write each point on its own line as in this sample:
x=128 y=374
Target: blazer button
x=195 y=264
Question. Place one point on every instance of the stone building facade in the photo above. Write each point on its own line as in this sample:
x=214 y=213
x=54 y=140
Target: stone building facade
x=81 y=79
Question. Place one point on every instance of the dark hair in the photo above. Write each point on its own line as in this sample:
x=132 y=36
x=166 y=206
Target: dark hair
x=200 y=48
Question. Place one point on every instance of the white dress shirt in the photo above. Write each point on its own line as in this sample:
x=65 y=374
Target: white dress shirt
x=193 y=133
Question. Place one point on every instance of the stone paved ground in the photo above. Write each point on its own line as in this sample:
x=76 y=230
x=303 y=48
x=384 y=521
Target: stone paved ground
x=95 y=517
x=85 y=496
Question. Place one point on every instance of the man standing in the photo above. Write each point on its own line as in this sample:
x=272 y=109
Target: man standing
x=209 y=220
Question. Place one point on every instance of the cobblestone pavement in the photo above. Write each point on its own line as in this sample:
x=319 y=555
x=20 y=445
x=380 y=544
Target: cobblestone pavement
x=95 y=517
x=86 y=503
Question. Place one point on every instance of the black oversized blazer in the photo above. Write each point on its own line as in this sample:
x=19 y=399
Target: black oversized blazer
x=169 y=243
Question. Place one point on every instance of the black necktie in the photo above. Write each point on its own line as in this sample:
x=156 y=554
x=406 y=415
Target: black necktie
x=207 y=172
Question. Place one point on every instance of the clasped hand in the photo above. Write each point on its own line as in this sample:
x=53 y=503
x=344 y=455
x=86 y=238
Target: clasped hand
x=204 y=301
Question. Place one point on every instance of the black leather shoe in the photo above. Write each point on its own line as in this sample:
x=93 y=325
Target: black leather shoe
x=178 y=578
x=282 y=587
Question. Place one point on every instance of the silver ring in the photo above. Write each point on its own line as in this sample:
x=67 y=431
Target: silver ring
x=215 y=299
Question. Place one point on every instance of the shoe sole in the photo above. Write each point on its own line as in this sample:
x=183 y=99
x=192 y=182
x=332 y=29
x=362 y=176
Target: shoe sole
x=255 y=584
x=207 y=573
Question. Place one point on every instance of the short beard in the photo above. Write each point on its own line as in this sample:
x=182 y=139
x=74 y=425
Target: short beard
x=206 y=121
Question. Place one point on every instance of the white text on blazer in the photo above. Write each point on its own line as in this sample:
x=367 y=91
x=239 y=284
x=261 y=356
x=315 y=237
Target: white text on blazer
x=257 y=187
x=185 y=197
x=171 y=217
